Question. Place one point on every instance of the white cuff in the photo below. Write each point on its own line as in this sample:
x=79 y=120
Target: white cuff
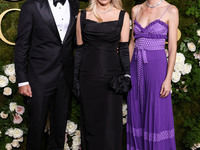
x=23 y=84
x=127 y=75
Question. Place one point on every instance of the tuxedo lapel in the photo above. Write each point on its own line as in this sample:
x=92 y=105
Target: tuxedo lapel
x=46 y=13
x=72 y=19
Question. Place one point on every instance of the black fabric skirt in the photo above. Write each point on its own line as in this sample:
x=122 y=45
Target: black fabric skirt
x=101 y=115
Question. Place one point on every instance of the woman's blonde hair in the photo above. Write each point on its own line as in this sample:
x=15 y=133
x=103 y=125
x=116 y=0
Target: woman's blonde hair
x=93 y=7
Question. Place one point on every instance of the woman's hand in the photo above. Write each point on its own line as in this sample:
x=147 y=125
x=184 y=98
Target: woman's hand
x=165 y=89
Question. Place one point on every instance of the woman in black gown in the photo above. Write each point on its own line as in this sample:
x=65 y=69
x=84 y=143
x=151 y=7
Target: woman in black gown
x=101 y=28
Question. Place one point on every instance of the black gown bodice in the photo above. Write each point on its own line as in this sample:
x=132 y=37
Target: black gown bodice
x=100 y=58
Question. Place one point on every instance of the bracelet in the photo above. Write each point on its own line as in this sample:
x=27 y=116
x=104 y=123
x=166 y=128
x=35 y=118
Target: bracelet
x=127 y=75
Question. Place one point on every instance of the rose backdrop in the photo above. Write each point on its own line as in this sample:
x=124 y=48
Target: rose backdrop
x=185 y=84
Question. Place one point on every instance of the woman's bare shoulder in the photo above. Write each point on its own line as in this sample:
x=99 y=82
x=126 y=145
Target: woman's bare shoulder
x=173 y=10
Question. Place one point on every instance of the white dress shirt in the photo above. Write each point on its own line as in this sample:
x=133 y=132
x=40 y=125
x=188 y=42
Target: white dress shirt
x=61 y=14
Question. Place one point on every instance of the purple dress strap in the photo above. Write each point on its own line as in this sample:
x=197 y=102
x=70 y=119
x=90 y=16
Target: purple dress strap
x=165 y=11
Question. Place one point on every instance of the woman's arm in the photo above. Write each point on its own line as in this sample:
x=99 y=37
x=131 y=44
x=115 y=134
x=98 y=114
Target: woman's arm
x=124 y=58
x=123 y=45
x=77 y=57
x=78 y=30
x=172 y=47
x=132 y=43
x=125 y=29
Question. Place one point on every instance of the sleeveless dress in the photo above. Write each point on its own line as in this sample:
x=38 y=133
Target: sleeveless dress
x=150 y=124
x=101 y=108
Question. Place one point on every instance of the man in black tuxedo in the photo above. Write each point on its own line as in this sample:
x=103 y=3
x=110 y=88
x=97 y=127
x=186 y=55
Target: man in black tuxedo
x=44 y=66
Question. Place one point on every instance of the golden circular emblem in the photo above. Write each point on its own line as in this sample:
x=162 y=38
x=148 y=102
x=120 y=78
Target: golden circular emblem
x=1 y=18
x=178 y=36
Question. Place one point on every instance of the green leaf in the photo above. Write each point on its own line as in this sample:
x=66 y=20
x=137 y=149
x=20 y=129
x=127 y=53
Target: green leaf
x=182 y=46
x=187 y=40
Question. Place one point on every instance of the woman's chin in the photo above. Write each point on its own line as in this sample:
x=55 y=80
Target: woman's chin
x=104 y=2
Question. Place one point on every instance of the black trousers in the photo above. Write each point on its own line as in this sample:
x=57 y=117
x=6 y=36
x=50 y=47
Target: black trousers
x=54 y=100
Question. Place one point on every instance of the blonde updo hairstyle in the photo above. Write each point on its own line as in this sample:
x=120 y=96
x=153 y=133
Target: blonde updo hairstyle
x=93 y=7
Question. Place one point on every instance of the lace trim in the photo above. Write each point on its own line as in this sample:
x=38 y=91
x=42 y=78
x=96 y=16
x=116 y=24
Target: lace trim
x=154 y=137
x=151 y=24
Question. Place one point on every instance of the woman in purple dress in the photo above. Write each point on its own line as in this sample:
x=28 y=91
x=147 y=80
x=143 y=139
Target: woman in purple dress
x=150 y=124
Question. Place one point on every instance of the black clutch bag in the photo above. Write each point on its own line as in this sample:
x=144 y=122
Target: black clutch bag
x=120 y=84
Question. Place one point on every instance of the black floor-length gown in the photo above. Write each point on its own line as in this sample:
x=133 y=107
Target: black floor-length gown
x=101 y=108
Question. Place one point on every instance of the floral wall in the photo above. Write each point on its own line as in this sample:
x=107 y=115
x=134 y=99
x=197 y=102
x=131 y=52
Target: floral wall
x=185 y=83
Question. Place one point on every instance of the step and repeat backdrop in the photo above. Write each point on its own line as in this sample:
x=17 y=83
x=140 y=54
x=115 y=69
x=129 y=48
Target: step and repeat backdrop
x=185 y=82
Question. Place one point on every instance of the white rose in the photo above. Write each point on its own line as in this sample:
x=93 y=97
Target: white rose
x=183 y=82
x=191 y=46
x=20 y=109
x=124 y=113
x=17 y=133
x=197 y=55
x=198 y=41
x=8 y=146
x=7 y=91
x=186 y=69
x=75 y=147
x=17 y=119
x=195 y=146
x=21 y=139
x=9 y=69
x=78 y=133
x=3 y=115
x=176 y=76
x=198 y=32
x=124 y=107
x=66 y=147
x=179 y=67
x=15 y=143
x=9 y=132
x=3 y=81
x=185 y=89
x=76 y=140
x=12 y=106
x=71 y=127
x=12 y=78
x=124 y=120
x=180 y=58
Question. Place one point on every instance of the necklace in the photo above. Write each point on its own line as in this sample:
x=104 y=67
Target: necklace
x=152 y=6
x=104 y=12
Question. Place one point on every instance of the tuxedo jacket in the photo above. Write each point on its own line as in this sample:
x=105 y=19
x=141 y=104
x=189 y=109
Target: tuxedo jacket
x=40 y=56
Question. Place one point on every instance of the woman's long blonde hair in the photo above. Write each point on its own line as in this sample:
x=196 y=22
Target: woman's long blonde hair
x=93 y=7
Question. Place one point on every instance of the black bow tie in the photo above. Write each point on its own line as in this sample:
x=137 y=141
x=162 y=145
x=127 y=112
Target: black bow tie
x=60 y=1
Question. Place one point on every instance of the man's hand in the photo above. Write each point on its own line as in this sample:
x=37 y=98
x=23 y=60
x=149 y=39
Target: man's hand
x=25 y=90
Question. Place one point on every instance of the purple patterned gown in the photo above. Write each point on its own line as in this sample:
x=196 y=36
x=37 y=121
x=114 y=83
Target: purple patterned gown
x=150 y=124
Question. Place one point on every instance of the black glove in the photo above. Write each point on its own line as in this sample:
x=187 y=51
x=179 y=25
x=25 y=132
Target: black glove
x=124 y=56
x=122 y=83
x=77 y=61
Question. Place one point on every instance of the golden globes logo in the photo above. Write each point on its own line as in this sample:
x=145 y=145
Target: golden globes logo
x=1 y=18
